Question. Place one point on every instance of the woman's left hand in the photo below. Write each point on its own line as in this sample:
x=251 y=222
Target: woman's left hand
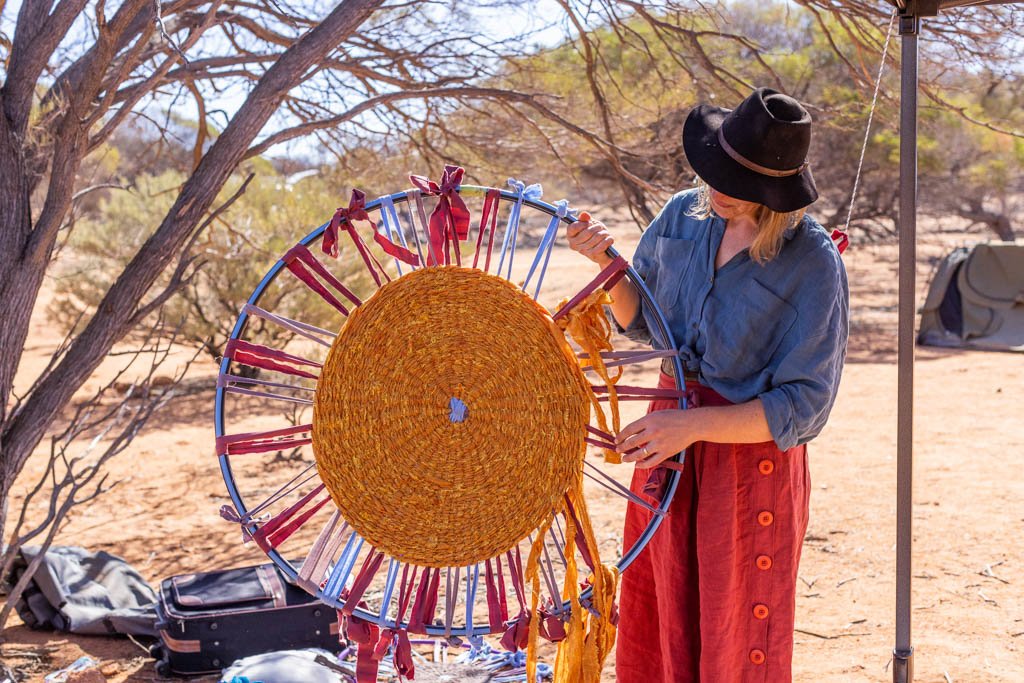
x=657 y=436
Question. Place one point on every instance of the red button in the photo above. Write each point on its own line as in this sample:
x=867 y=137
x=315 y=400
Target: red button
x=757 y=656
x=765 y=518
x=764 y=562
x=766 y=467
x=761 y=611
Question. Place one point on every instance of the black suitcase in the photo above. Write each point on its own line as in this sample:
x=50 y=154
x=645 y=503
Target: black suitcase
x=207 y=621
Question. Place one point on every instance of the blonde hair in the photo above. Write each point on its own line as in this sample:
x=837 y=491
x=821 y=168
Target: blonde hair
x=770 y=224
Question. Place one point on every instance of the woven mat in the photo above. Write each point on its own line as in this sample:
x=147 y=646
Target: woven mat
x=449 y=417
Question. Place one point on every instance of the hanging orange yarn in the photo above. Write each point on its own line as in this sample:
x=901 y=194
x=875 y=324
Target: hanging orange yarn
x=589 y=327
x=447 y=326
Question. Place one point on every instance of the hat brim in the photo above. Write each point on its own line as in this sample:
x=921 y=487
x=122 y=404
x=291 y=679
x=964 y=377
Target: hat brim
x=723 y=173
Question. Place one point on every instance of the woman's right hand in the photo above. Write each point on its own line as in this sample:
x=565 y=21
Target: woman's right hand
x=590 y=238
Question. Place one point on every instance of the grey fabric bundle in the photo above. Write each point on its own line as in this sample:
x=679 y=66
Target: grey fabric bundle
x=92 y=593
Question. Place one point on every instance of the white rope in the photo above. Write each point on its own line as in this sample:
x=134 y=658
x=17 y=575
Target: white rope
x=871 y=115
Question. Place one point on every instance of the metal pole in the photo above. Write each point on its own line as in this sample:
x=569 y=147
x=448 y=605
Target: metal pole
x=903 y=654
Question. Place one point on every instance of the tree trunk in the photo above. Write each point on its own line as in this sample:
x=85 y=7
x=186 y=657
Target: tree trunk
x=1003 y=229
x=19 y=286
x=997 y=222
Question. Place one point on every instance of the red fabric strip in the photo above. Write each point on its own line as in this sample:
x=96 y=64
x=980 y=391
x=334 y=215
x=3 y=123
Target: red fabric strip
x=405 y=592
x=282 y=534
x=261 y=442
x=402 y=656
x=362 y=581
x=271 y=526
x=259 y=356
x=649 y=392
x=265 y=446
x=372 y=265
x=517 y=631
x=366 y=636
x=494 y=618
x=488 y=223
x=607 y=277
x=301 y=253
x=515 y=570
x=396 y=250
x=399 y=638
x=841 y=240
x=581 y=540
x=425 y=604
x=503 y=601
x=456 y=248
x=552 y=628
x=299 y=270
x=449 y=221
x=342 y=219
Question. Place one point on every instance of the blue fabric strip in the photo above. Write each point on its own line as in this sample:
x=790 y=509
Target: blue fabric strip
x=508 y=242
x=389 y=217
x=342 y=570
x=546 y=244
x=389 y=587
x=471 y=597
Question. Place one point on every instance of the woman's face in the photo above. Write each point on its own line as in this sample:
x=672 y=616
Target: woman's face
x=729 y=207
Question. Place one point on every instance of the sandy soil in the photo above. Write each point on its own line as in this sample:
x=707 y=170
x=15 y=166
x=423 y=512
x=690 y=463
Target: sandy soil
x=968 y=605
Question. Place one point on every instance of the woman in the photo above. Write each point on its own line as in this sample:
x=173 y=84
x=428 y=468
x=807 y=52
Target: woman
x=756 y=297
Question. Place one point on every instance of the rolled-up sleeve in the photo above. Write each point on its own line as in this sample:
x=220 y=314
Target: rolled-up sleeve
x=643 y=262
x=806 y=380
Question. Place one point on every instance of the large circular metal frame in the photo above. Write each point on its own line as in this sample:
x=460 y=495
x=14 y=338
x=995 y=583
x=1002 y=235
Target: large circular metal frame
x=663 y=334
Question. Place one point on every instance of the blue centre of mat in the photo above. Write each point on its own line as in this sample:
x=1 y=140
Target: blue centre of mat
x=458 y=410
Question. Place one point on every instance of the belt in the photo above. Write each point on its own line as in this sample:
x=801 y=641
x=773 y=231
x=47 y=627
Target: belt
x=669 y=368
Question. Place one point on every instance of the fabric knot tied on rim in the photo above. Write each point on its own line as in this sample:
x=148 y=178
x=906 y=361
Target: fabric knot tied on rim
x=523 y=191
x=343 y=220
x=355 y=211
x=449 y=221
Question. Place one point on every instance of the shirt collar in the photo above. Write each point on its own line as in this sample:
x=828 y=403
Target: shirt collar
x=790 y=233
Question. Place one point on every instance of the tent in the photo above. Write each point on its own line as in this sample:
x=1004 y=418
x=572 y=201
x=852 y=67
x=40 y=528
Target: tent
x=976 y=299
x=910 y=13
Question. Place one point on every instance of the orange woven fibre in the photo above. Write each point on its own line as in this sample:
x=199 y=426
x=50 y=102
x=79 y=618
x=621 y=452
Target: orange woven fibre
x=398 y=463
x=589 y=327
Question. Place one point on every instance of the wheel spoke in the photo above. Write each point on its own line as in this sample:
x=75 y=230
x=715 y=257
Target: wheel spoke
x=279 y=528
x=389 y=588
x=614 y=359
x=233 y=384
x=424 y=225
x=552 y=580
x=294 y=484
x=267 y=358
x=301 y=262
x=607 y=278
x=264 y=442
x=488 y=223
x=314 y=567
x=472 y=581
x=601 y=478
x=306 y=330
x=343 y=568
x=544 y=250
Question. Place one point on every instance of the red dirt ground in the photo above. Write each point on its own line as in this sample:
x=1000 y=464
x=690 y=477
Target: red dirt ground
x=968 y=606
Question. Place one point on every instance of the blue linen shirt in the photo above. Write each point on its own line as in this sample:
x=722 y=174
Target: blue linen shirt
x=776 y=331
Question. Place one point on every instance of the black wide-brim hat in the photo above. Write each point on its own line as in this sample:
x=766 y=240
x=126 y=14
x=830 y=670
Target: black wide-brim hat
x=756 y=152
